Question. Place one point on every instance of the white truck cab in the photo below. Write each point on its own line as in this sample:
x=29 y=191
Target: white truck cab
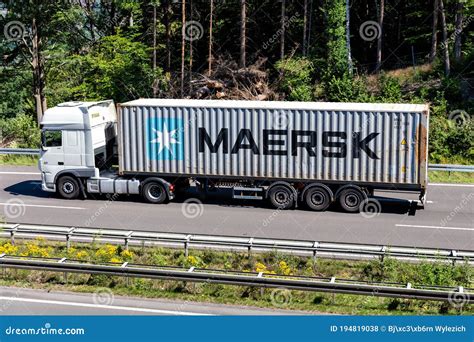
x=78 y=138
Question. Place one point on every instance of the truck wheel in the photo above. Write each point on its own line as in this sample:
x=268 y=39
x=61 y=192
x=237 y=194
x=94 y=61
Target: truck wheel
x=318 y=198
x=281 y=197
x=68 y=187
x=154 y=192
x=351 y=199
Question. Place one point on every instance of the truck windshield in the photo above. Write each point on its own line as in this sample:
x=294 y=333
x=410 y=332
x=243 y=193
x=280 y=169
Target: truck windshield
x=51 y=138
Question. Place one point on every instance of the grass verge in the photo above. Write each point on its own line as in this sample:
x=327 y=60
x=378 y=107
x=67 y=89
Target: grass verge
x=20 y=160
x=388 y=270
x=451 y=177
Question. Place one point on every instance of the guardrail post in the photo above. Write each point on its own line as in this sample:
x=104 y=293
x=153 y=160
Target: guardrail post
x=65 y=273
x=383 y=250
x=12 y=233
x=68 y=238
x=4 y=269
x=250 y=245
x=186 y=245
x=127 y=238
x=454 y=254
x=315 y=249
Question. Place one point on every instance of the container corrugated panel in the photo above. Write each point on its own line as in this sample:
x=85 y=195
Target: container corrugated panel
x=345 y=142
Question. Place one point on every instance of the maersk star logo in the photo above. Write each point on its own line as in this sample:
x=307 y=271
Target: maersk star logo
x=165 y=138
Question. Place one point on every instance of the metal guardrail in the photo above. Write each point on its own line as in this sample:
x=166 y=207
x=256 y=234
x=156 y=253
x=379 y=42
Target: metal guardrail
x=456 y=295
x=432 y=167
x=316 y=249
x=451 y=168
x=20 y=151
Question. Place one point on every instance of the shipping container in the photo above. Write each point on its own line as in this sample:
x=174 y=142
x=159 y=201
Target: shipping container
x=309 y=141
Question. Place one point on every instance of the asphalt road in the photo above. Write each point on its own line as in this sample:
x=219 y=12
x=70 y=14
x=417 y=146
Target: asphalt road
x=18 y=301
x=446 y=222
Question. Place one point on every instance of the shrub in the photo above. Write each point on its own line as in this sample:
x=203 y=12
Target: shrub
x=20 y=131
x=296 y=78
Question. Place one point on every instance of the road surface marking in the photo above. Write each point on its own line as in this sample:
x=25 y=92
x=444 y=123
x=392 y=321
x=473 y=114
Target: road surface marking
x=433 y=227
x=99 y=306
x=39 y=206
x=448 y=184
x=19 y=173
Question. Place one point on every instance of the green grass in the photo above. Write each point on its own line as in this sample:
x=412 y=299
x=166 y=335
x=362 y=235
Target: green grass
x=451 y=177
x=389 y=270
x=19 y=160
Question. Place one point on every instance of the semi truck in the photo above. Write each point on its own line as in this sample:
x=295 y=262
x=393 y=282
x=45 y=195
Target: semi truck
x=292 y=154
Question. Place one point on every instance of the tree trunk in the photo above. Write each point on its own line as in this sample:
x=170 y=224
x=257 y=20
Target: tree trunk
x=155 y=85
x=183 y=43
x=447 y=66
x=305 y=25
x=38 y=72
x=458 y=32
x=348 y=37
x=190 y=45
x=379 y=39
x=243 y=38
x=167 y=35
x=283 y=29
x=434 y=31
x=210 y=38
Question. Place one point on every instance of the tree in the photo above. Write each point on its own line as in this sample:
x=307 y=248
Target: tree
x=243 y=37
x=305 y=26
x=210 y=37
x=282 y=29
x=348 y=36
x=379 y=37
x=458 y=30
x=336 y=36
x=183 y=43
x=447 y=67
x=434 y=33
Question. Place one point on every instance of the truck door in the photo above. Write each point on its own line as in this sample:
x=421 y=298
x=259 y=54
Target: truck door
x=53 y=155
x=72 y=148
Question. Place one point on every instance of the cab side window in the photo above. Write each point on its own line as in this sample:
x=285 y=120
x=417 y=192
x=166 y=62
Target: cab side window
x=52 y=138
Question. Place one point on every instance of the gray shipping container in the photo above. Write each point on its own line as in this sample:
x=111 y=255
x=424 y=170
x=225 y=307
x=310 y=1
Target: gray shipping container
x=356 y=143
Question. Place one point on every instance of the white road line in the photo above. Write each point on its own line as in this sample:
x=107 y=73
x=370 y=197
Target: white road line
x=40 y=206
x=19 y=173
x=452 y=184
x=433 y=227
x=100 y=306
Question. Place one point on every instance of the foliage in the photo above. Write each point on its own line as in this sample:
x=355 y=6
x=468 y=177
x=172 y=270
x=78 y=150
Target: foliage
x=22 y=129
x=296 y=78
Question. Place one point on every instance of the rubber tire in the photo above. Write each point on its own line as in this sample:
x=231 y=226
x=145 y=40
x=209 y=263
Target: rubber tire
x=351 y=199
x=277 y=196
x=325 y=196
x=157 y=198
x=74 y=188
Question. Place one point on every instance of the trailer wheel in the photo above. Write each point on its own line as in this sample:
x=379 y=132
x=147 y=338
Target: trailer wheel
x=154 y=192
x=318 y=198
x=281 y=197
x=68 y=187
x=351 y=199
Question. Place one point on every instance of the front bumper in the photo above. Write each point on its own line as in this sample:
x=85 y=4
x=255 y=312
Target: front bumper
x=47 y=185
